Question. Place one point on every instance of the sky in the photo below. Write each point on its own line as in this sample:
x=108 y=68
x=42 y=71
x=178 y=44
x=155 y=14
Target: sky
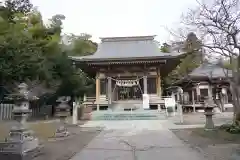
x=113 y=18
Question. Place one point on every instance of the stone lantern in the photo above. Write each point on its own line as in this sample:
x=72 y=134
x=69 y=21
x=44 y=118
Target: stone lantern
x=21 y=143
x=62 y=111
x=208 y=111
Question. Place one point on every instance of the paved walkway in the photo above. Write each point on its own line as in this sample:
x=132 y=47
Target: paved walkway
x=136 y=140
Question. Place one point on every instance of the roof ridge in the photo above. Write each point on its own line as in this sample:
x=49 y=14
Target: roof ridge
x=128 y=38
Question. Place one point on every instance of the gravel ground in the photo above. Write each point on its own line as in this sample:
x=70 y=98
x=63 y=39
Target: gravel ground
x=215 y=146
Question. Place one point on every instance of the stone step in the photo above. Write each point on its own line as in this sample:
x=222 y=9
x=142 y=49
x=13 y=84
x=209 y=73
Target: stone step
x=129 y=116
x=122 y=106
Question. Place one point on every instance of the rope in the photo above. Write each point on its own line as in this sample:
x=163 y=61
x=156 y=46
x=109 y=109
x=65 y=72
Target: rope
x=126 y=83
x=135 y=79
x=139 y=86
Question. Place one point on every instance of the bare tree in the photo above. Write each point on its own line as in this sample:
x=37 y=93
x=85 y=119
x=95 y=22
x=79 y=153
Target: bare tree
x=218 y=22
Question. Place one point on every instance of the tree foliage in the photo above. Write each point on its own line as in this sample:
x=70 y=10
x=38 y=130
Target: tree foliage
x=218 y=23
x=192 y=47
x=165 y=48
x=79 y=45
x=31 y=52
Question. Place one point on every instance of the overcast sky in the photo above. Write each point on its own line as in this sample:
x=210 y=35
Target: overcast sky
x=104 y=18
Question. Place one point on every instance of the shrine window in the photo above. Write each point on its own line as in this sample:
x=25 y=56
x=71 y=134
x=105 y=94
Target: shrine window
x=103 y=86
x=203 y=93
x=151 y=85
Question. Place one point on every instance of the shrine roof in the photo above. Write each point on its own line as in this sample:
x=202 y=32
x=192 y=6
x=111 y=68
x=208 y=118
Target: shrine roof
x=121 y=48
x=210 y=71
x=205 y=72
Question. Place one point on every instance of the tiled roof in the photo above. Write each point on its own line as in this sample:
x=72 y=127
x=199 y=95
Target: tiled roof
x=127 y=47
x=210 y=71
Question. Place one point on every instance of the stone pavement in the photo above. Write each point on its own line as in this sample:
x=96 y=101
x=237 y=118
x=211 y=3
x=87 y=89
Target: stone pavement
x=136 y=140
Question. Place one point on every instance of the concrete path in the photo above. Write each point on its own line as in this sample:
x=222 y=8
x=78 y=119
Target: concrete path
x=136 y=140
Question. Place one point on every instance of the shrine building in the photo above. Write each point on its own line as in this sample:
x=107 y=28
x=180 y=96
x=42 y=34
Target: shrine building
x=126 y=68
x=208 y=80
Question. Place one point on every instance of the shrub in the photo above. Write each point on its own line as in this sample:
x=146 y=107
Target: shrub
x=231 y=128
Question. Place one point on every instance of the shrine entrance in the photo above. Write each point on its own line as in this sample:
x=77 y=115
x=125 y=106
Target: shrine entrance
x=129 y=93
x=128 y=89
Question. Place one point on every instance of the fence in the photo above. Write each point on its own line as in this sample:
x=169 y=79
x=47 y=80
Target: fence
x=37 y=111
x=6 y=111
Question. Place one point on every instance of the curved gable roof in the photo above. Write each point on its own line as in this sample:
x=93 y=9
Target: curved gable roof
x=127 y=47
x=210 y=71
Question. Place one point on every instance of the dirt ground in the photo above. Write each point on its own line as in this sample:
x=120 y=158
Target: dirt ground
x=56 y=149
x=199 y=118
x=215 y=145
x=68 y=147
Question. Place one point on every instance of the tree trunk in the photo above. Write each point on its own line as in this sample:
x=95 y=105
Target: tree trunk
x=235 y=90
x=221 y=102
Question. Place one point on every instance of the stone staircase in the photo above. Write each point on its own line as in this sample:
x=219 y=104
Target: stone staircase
x=126 y=106
x=122 y=111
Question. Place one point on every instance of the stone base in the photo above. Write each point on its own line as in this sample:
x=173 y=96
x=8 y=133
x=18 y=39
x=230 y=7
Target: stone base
x=62 y=132
x=209 y=129
x=30 y=155
x=171 y=114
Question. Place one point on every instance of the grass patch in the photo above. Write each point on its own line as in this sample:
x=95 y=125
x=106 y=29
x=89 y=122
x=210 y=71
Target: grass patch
x=217 y=135
x=218 y=144
x=44 y=130
x=41 y=130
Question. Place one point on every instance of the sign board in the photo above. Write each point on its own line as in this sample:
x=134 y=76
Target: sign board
x=145 y=101
x=169 y=102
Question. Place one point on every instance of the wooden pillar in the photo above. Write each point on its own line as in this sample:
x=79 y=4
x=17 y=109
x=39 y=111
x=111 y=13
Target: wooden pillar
x=159 y=89
x=109 y=91
x=84 y=100
x=198 y=93
x=145 y=84
x=97 y=91
x=193 y=101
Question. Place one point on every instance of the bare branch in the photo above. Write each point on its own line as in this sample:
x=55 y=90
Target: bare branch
x=219 y=23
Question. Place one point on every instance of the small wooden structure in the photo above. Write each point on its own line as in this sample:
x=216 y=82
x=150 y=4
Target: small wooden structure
x=208 y=80
x=125 y=68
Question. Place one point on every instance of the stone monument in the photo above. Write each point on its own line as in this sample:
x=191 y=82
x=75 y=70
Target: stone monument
x=21 y=143
x=208 y=111
x=75 y=113
x=62 y=111
x=170 y=104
